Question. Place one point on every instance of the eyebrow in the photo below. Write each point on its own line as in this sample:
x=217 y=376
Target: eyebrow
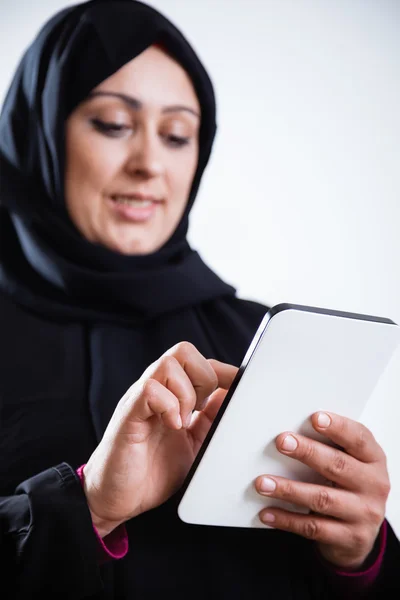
x=138 y=105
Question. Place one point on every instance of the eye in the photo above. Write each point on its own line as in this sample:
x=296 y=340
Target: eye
x=175 y=141
x=109 y=128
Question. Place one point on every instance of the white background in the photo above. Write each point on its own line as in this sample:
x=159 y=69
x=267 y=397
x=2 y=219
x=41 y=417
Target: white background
x=301 y=201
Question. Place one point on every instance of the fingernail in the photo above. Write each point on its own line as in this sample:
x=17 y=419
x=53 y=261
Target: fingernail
x=188 y=420
x=268 y=518
x=323 y=420
x=289 y=443
x=267 y=485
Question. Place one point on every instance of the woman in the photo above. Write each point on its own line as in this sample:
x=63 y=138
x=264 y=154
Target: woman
x=105 y=133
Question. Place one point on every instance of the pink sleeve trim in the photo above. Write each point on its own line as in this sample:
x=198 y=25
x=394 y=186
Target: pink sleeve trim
x=352 y=582
x=116 y=544
x=369 y=575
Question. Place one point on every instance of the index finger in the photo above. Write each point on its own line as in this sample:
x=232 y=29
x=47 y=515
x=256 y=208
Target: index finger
x=202 y=376
x=356 y=439
x=226 y=373
x=194 y=368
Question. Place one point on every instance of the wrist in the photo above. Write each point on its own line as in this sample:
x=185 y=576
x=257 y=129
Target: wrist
x=102 y=526
x=348 y=563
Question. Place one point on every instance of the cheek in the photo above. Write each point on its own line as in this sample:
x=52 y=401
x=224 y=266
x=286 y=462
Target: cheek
x=181 y=178
x=89 y=167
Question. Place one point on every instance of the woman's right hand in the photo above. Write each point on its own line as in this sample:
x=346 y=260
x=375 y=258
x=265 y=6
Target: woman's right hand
x=152 y=438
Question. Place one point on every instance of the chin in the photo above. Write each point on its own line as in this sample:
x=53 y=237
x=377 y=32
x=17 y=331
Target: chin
x=132 y=248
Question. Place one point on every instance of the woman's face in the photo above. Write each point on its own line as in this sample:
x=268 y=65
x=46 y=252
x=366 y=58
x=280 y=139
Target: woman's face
x=131 y=154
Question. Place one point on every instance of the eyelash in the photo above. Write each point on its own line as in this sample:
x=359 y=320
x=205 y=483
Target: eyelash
x=113 y=129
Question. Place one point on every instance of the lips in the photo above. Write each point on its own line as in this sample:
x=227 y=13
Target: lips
x=136 y=198
x=137 y=208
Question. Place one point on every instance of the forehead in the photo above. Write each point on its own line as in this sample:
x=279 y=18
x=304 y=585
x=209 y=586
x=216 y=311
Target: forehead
x=154 y=78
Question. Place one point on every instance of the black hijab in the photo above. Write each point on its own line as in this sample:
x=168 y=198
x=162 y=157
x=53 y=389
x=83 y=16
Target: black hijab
x=45 y=261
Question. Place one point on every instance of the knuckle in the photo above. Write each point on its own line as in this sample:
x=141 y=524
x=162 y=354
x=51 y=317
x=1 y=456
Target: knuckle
x=383 y=456
x=213 y=379
x=168 y=363
x=189 y=399
x=382 y=488
x=149 y=388
x=374 y=513
x=386 y=488
x=359 y=539
x=185 y=349
x=311 y=530
x=338 y=464
x=307 y=452
x=289 y=523
x=321 y=502
x=286 y=491
x=341 y=425
x=361 y=438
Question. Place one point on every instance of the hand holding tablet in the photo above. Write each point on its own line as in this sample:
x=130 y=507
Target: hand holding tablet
x=345 y=520
x=302 y=361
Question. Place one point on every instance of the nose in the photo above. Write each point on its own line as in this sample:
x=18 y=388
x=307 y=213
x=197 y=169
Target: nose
x=145 y=158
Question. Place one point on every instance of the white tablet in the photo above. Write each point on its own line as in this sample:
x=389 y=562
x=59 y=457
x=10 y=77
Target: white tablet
x=301 y=360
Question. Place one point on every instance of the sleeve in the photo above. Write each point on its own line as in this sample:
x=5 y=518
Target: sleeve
x=47 y=543
x=113 y=546
x=380 y=577
x=365 y=578
x=357 y=583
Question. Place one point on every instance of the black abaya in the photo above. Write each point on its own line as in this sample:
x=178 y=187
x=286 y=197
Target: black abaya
x=79 y=324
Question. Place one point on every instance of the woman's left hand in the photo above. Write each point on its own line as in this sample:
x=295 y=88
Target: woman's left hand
x=345 y=519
